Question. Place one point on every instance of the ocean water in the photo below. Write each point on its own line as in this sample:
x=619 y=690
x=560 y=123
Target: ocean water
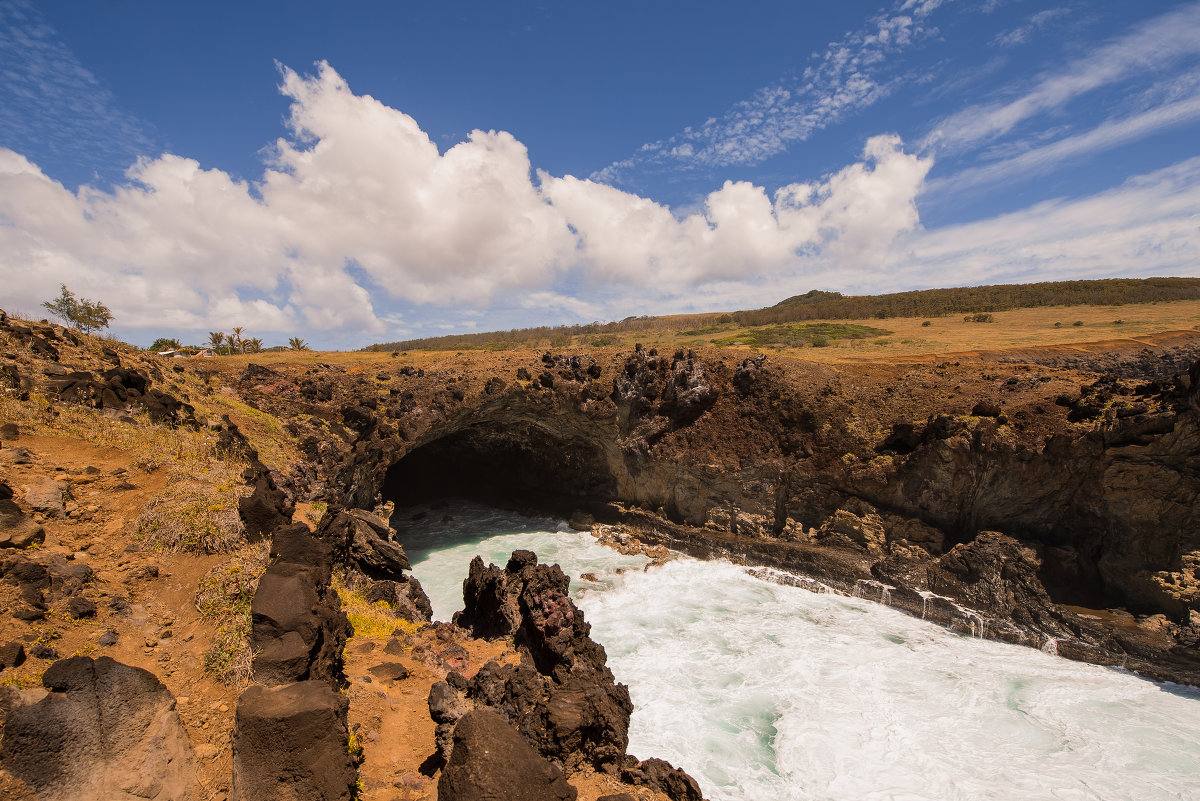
x=764 y=691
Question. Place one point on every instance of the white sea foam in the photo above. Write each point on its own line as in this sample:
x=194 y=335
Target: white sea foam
x=767 y=691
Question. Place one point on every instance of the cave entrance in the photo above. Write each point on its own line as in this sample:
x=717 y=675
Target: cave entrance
x=517 y=466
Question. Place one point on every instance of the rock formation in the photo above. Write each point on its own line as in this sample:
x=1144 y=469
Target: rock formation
x=490 y=760
x=290 y=744
x=849 y=476
x=298 y=629
x=561 y=698
x=101 y=730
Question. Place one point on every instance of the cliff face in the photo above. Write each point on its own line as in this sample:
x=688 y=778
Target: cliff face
x=876 y=479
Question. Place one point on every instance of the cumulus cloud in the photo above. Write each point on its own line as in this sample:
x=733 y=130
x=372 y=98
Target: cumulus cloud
x=358 y=210
x=742 y=233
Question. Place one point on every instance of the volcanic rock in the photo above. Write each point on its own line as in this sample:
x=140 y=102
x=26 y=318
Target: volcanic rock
x=298 y=626
x=104 y=730
x=291 y=743
x=491 y=760
x=659 y=775
x=562 y=696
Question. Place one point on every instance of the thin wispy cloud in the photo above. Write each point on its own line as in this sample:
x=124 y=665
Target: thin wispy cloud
x=849 y=75
x=1045 y=158
x=51 y=104
x=1150 y=47
x=1024 y=34
x=1148 y=226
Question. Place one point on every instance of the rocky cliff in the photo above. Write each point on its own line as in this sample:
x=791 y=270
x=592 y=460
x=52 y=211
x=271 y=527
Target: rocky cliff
x=1014 y=496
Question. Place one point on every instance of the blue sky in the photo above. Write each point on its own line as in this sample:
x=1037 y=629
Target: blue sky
x=377 y=171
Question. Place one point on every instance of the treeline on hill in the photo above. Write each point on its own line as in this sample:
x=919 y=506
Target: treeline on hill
x=821 y=305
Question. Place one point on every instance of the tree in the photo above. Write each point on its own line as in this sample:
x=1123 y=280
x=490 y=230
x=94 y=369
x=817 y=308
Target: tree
x=252 y=345
x=296 y=343
x=216 y=340
x=86 y=315
x=235 y=339
x=162 y=343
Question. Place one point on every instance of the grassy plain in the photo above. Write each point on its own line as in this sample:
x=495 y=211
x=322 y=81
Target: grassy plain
x=906 y=337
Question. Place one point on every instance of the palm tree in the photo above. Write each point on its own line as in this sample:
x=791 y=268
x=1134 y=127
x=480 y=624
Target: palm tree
x=216 y=339
x=252 y=345
x=296 y=343
x=235 y=340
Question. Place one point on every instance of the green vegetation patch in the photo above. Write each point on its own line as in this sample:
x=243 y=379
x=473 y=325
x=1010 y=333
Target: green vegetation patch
x=799 y=336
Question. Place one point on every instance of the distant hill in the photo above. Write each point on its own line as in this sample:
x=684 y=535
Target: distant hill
x=821 y=305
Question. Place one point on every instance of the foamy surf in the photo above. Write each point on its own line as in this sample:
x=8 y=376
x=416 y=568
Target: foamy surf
x=766 y=691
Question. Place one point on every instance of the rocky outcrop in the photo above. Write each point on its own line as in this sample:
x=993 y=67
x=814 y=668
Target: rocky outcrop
x=102 y=730
x=660 y=776
x=298 y=628
x=42 y=580
x=491 y=760
x=267 y=507
x=291 y=743
x=562 y=696
x=845 y=475
x=121 y=389
x=17 y=530
x=364 y=541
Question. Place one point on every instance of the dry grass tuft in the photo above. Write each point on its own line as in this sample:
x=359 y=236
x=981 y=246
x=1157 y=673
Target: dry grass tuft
x=152 y=445
x=224 y=596
x=197 y=510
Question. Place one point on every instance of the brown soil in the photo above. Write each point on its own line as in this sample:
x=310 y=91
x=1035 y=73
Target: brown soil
x=162 y=632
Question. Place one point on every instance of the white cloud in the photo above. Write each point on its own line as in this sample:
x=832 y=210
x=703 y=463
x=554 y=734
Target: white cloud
x=1150 y=46
x=848 y=76
x=1024 y=33
x=1148 y=226
x=372 y=188
x=358 y=210
x=742 y=234
x=1044 y=158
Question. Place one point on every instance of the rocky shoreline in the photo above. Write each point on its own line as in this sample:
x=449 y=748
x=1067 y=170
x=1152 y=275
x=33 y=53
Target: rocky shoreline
x=1035 y=505
x=1002 y=498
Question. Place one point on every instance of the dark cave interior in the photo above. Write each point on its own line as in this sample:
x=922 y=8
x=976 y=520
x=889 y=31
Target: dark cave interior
x=518 y=466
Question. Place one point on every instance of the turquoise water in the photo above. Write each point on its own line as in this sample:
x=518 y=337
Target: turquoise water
x=764 y=691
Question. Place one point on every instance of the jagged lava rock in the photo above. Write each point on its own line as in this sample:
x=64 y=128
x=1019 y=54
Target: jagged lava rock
x=490 y=760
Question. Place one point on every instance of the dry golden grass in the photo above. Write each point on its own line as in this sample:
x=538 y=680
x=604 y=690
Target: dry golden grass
x=224 y=596
x=152 y=445
x=369 y=619
x=909 y=337
x=198 y=509
x=1019 y=328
